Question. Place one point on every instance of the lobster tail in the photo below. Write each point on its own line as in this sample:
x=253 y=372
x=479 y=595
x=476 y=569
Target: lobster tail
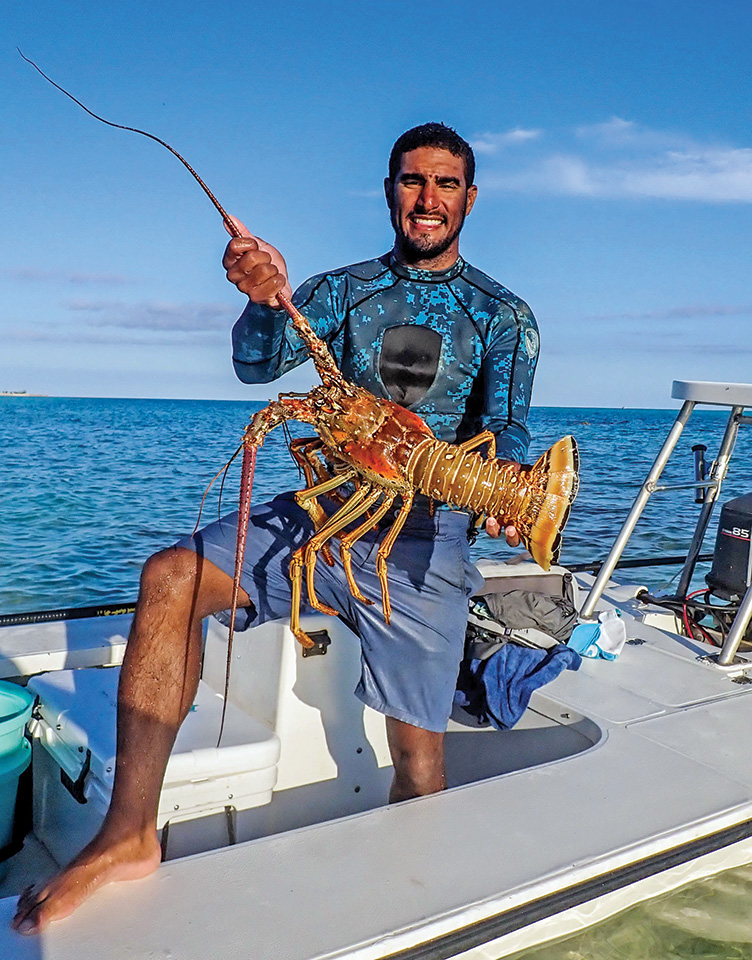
x=553 y=482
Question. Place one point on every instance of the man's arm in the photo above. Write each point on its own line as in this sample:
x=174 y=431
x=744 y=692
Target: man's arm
x=509 y=369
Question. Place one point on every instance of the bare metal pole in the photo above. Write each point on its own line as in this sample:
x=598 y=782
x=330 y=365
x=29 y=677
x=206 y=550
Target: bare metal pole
x=718 y=473
x=648 y=488
x=737 y=631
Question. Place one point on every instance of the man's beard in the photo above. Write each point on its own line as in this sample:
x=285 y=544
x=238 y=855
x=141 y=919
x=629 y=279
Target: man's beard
x=424 y=248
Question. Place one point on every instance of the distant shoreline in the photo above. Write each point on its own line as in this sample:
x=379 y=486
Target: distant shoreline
x=264 y=400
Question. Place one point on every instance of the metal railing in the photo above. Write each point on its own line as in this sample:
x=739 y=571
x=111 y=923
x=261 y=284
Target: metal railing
x=694 y=394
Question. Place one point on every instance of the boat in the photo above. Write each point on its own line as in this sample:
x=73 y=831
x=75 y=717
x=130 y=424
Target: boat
x=623 y=779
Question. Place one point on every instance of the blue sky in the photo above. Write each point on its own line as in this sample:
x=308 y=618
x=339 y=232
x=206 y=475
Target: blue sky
x=614 y=151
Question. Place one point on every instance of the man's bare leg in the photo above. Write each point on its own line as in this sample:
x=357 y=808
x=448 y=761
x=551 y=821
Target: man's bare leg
x=418 y=758
x=158 y=682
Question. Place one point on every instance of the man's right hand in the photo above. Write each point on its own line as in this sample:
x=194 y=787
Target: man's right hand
x=256 y=268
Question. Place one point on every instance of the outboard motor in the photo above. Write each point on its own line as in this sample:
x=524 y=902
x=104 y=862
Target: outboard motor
x=731 y=572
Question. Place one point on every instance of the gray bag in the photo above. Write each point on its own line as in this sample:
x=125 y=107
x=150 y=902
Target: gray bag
x=521 y=616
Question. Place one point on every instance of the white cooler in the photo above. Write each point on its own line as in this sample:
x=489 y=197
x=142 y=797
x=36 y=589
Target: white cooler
x=74 y=764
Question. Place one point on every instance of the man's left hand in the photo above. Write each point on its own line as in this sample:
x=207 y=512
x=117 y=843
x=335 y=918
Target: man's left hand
x=493 y=529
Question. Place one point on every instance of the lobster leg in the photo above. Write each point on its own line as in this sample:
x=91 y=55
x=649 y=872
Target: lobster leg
x=299 y=560
x=352 y=510
x=303 y=451
x=474 y=442
x=357 y=510
x=312 y=453
x=308 y=499
x=296 y=582
x=351 y=538
x=303 y=496
x=386 y=548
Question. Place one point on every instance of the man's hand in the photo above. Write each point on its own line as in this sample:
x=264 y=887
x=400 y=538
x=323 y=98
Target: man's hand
x=493 y=529
x=256 y=268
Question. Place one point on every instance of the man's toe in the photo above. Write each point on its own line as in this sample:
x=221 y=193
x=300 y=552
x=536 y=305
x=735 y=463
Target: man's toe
x=24 y=921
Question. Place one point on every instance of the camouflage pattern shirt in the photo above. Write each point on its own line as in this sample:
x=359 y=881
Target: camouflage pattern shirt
x=454 y=345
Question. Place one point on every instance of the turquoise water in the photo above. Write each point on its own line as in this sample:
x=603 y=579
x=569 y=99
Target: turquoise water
x=707 y=920
x=90 y=488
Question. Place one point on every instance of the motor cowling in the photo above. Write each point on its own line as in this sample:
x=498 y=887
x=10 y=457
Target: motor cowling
x=731 y=572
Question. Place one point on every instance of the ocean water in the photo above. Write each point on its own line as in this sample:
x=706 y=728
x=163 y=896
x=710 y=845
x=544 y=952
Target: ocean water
x=89 y=488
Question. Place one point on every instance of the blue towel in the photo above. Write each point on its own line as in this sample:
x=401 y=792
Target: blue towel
x=498 y=690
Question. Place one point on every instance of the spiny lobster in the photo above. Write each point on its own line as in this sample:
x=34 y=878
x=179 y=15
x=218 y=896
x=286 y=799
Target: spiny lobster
x=389 y=452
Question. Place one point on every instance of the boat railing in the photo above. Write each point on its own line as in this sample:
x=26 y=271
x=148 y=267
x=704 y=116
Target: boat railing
x=738 y=397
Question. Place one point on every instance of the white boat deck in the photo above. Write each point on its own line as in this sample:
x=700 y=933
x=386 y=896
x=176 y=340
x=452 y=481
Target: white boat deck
x=388 y=879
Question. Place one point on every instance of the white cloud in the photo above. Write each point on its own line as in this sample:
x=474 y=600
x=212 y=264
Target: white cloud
x=628 y=135
x=149 y=323
x=615 y=130
x=685 y=312
x=73 y=277
x=490 y=143
x=621 y=159
x=155 y=315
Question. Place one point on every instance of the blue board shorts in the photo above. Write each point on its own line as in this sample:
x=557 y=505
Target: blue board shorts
x=408 y=668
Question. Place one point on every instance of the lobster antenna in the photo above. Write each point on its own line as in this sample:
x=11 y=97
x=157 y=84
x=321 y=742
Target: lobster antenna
x=325 y=365
x=222 y=470
x=223 y=213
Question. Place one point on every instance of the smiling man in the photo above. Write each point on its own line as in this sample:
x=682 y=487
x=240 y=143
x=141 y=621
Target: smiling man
x=428 y=197
x=419 y=325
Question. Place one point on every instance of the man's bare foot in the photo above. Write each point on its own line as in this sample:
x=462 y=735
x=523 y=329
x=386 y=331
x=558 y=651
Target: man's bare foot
x=101 y=862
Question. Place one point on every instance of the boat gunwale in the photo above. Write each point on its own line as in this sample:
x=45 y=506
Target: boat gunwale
x=488 y=929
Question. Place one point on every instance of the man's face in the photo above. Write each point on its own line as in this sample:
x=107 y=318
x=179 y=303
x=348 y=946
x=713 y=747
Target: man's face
x=428 y=201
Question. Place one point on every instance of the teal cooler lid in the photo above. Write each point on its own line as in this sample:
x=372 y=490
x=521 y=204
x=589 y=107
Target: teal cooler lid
x=14 y=701
x=13 y=764
x=16 y=704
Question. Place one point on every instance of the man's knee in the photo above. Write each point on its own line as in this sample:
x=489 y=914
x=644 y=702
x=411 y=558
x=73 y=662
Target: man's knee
x=171 y=571
x=181 y=576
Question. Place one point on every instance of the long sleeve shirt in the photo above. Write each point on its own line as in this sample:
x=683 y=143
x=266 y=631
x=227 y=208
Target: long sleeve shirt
x=454 y=346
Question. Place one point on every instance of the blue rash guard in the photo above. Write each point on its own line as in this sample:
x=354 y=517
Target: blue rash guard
x=455 y=346
x=458 y=349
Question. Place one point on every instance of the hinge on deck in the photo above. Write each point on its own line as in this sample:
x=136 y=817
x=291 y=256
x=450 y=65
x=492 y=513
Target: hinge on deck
x=76 y=787
x=321 y=641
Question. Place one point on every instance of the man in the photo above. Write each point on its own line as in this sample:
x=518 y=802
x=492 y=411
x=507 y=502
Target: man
x=418 y=325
